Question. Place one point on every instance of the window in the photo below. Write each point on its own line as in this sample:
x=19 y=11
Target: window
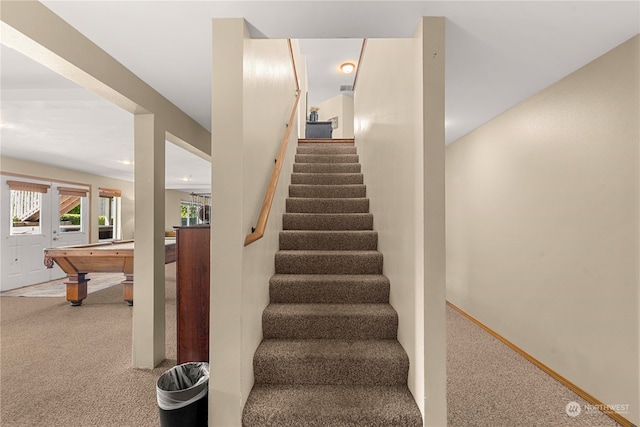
x=70 y=209
x=197 y=210
x=26 y=206
x=189 y=213
x=108 y=213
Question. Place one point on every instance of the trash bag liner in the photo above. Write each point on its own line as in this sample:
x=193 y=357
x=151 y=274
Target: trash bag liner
x=182 y=385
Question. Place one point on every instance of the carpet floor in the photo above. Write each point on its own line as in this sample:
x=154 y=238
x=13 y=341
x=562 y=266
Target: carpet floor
x=63 y=366
x=57 y=288
x=490 y=385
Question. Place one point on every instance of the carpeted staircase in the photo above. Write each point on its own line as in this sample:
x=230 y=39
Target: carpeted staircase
x=329 y=355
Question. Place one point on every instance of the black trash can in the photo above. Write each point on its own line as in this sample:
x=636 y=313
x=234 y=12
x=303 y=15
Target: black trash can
x=182 y=394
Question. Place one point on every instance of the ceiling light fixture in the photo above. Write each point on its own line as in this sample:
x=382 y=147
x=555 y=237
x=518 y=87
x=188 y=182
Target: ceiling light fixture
x=347 y=67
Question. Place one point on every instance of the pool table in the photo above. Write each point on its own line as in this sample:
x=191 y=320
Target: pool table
x=108 y=257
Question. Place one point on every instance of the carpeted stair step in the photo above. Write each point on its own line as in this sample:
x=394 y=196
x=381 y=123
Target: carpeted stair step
x=329 y=354
x=326 y=149
x=323 y=221
x=328 y=262
x=327 y=205
x=329 y=288
x=328 y=191
x=331 y=405
x=329 y=240
x=326 y=158
x=327 y=178
x=330 y=321
x=364 y=362
x=325 y=141
x=326 y=168
x=319 y=240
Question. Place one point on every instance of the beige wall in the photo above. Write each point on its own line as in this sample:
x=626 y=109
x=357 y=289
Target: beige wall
x=340 y=106
x=254 y=92
x=39 y=170
x=301 y=71
x=346 y=124
x=394 y=140
x=542 y=226
x=172 y=201
x=270 y=97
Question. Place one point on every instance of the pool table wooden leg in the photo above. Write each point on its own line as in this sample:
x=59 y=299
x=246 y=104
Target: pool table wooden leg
x=76 y=288
x=128 y=289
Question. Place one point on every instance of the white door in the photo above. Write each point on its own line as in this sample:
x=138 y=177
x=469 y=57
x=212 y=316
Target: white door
x=34 y=225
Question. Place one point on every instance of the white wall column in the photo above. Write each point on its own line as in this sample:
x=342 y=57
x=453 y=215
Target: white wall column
x=148 y=289
x=399 y=115
x=435 y=355
x=227 y=228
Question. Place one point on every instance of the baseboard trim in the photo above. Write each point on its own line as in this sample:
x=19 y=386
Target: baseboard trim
x=571 y=386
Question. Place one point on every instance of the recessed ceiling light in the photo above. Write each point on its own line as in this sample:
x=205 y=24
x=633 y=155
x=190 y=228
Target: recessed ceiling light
x=126 y=162
x=347 y=67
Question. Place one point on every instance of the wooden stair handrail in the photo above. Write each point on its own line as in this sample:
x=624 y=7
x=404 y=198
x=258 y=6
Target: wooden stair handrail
x=355 y=78
x=258 y=232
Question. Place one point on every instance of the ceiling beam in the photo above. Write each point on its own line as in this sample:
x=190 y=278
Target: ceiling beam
x=35 y=31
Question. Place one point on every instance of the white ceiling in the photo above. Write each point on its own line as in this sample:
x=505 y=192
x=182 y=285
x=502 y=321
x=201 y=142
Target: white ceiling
x=50 y=120
x=324 y=57
x=497 y=54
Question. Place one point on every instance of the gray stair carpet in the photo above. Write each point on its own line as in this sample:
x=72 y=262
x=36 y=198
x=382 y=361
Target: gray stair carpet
x=330 y=354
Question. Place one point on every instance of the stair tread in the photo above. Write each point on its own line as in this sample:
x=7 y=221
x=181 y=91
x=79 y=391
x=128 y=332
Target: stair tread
x=310 y=349
x=327 y=205
x=323 y=149
x=327 y=168
x=342 y=155
x=329 y=321
x=327 y=232
x=326 y=142
x=314 y=240
x=347 y=214
x=334 y=278
x=288 y=252
x=328 y=214
x=326 y=158
x=335 y=405
x=327 y=221
x=331 y=361
x=323 y=310
x=327 y=173
x=326 y=200
x=328 y=190
x=329 y=288
x=327 y=187
x=326 y=178
x=341 y=232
